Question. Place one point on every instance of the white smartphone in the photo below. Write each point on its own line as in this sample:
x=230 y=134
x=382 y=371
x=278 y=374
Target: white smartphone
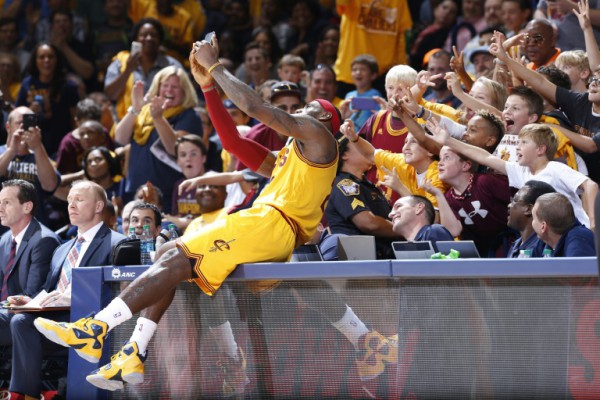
x=209 y=37
x=136 y=47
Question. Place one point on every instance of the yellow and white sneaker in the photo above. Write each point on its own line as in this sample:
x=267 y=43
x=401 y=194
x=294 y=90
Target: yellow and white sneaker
x=85 y=336
x=375 y=351
x=234 y=371
x=127 y=366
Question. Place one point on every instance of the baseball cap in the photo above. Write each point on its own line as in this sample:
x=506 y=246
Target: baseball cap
x=285 y=88
x=428 y=55
x=479 y=50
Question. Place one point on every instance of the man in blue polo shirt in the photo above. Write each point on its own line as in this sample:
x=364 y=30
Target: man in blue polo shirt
x=555 y=223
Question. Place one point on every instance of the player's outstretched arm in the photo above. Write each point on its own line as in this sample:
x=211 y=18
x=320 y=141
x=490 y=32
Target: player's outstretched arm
x=250 y=102
x=255 y=156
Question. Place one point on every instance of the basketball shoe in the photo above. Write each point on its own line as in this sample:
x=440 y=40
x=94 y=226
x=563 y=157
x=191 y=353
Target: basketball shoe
x=375 y=351
x=85 y=336
x=127 y=366
x=234 y=371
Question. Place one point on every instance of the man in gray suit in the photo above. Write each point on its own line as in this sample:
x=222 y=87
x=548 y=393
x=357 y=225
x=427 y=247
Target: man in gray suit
x=25 y=250
x=92 y=247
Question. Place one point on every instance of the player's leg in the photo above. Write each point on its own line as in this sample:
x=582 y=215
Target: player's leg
x=374 y=350
x=156 y=285
x=207 y=258
x=222 y=309
x=127 y=366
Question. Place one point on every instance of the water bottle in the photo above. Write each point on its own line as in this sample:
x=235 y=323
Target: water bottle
x=131 y=235
x=547 y=253
x=524 y=254
x=172 y=232
x=146 y=246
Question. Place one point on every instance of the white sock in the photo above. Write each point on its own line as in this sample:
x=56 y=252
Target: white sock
x=143 y=332
x=351 y=326
x=225 y=340
x=115 y=313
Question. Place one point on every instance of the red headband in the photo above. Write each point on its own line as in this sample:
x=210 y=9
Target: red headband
x=335 y=117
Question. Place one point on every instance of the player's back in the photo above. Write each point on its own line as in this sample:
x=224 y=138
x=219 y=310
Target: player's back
x=299 y=189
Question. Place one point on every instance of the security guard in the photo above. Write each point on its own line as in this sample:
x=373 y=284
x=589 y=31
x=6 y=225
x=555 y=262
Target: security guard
x=356 y=206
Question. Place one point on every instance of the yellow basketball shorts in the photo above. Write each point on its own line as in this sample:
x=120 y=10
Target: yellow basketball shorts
x=258 y=234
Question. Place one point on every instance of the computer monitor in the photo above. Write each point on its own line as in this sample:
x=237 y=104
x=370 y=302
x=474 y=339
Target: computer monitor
x=466 y=248
x=412 y=250
x=356 y=248
x=307 y=252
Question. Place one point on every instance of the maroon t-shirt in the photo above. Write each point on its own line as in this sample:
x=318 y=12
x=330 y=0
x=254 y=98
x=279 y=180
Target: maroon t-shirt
x=266 y=136
x=70 y=153
x=387 y=133
x=482 y=208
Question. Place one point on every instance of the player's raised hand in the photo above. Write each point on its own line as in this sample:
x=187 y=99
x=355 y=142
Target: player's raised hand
x=199 y=73
x=207 y=54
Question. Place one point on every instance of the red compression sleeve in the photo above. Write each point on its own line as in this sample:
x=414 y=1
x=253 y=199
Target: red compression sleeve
x=247 y=151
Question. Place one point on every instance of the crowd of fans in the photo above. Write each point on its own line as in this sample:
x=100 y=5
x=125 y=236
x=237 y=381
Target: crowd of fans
x=468 y=120
x=101 y=92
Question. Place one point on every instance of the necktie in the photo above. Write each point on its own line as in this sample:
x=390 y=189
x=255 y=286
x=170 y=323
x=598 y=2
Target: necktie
x=9 y=264
x=69 y=264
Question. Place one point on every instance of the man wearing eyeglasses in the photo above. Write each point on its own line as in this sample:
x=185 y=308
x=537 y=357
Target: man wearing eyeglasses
x=520 y=218
x=540 y=44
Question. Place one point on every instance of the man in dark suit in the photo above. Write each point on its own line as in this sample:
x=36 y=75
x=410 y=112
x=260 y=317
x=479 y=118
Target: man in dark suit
x=25 y=250
x=92 y=247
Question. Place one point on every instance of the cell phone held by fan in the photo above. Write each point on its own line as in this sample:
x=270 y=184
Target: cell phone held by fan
x=209 y=37
x=136 y=47
x=29 y=121
x=364 y=103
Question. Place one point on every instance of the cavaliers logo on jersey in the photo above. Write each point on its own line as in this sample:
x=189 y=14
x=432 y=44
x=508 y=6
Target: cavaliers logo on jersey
x=220 y=245
x=349 y=187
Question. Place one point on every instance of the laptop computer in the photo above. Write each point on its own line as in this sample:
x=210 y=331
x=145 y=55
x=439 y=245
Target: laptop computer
x=356 y=248
x=306 y=252
x=466 y=248
x=412 y=250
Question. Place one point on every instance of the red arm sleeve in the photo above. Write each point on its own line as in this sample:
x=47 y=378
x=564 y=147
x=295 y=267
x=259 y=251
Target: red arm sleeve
x=247 y=151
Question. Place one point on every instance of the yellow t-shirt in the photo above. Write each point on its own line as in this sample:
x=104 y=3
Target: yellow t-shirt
x=179 y=27
x=565 y=148
x=374 y=27
x=205 y=220
x=408 y=174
